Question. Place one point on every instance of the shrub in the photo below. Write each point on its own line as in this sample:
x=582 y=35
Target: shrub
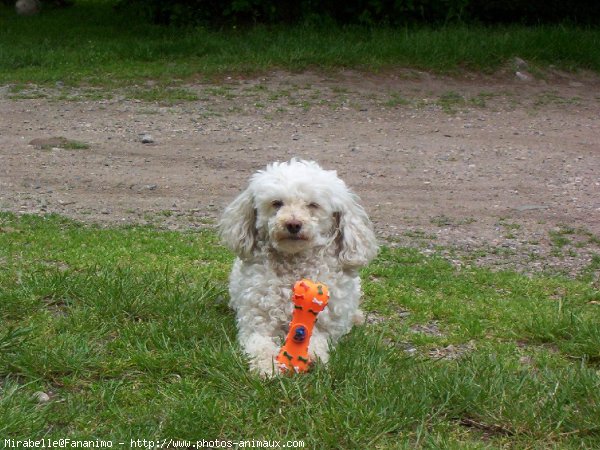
x=365 y=12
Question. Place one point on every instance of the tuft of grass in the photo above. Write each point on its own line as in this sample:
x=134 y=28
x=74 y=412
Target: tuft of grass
x=445 y=221
x=76 y=145
x=566 y=235
x=59 y=142
x=551 y=98
x=128 y=333
x=220 y=91
x=162 y=94
x=451 y=101
x=91 y=44
x=394 y=100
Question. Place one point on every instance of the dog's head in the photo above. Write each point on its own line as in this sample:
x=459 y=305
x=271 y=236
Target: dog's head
x=297 y=206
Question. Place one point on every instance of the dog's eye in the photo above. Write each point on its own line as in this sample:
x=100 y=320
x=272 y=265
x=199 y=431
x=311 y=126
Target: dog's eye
x=277 y=204
x=313 y=205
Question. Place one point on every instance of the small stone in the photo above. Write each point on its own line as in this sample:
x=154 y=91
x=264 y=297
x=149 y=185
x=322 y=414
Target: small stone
x=41 y=397
x=524 y=208
x=147 y=139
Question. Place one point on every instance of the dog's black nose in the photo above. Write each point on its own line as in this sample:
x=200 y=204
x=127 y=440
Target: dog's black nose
x=294 y=226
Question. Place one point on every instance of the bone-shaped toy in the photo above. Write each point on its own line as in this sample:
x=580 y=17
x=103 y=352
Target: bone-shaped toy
x=309 y=299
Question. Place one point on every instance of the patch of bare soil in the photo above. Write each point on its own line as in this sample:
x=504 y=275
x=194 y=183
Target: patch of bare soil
x=491 y=170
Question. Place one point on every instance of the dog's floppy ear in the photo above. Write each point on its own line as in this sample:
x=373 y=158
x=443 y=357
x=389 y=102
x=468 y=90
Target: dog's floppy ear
x=357 y=244
x=237 y=227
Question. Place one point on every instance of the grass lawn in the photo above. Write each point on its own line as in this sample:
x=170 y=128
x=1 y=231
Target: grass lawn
x=128 y=332
x=92 y=44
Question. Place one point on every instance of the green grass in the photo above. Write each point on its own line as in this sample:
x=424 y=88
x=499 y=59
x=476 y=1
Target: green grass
x=395 y=99
x=128 y=332
x=59 y=142
x=92 y=44
x=161 y=94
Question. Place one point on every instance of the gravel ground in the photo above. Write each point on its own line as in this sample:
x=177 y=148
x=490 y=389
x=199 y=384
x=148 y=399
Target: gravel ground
x=497 y=170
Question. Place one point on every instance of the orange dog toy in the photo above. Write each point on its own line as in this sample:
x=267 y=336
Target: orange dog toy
x=309 y=300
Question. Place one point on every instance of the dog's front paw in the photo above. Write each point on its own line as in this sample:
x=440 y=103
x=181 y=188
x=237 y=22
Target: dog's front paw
x=319 y=348
x=358 y=318
x=264 y=367
x=262 y=351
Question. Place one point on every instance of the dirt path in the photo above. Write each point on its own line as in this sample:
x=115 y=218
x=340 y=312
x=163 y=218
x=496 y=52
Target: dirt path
x=488 y=170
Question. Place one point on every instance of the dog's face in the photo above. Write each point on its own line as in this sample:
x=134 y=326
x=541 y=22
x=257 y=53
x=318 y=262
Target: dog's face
x=297 y=206
x=294 y=221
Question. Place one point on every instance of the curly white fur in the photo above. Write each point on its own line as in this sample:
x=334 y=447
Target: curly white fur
x=295 y=220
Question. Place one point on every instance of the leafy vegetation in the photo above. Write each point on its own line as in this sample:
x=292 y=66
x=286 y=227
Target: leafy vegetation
x=90 y=44
x=365 y=12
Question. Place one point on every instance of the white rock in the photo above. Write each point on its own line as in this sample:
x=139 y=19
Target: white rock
x=28 y=7
x=147 y=139
x=41 y=397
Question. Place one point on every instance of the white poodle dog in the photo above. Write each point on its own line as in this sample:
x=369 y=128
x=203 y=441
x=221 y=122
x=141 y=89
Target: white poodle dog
x=295 y=220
